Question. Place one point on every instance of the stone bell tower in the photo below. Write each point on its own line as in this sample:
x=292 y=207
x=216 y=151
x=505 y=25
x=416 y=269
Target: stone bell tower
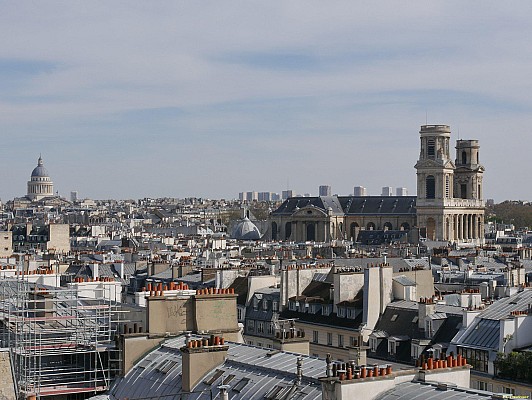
x=449 y=194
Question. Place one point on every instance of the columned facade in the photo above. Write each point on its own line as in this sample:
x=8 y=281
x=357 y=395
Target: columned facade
x=40 y=185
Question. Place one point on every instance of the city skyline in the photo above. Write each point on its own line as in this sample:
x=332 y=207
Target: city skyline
x=130 y=100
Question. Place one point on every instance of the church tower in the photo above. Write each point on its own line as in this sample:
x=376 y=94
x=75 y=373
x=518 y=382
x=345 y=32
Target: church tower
x=449 y=195
x=40 y=185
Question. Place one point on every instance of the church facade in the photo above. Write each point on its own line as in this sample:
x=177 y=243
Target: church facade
x=448 y=206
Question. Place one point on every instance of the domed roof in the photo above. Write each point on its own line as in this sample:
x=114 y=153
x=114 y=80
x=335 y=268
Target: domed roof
x=39 y=170
x=246 y=230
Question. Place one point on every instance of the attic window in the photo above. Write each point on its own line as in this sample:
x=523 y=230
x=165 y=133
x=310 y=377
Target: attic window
x=272 y=394
x=240 y=385
x=394 y=317
x=415 y=319
x=212 y=379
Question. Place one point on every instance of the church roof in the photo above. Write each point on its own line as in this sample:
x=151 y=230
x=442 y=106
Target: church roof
x=39 y=170
x=351 y=205
x=246 y=230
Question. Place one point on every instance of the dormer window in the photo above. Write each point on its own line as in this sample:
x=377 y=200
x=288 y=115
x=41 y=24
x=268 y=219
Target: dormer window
x=326 y=309
x=341 y=312
x=293 y=305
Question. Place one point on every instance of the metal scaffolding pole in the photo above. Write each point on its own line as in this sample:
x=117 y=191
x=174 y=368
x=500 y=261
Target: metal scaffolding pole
x=60 y=342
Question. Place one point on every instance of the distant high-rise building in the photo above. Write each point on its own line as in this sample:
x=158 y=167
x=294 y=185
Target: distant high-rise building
x=74 y=196
x=401 y=191
x=387 y=191
x=265 y=196
x=287 y=194
x=360 y=191
x=325 y=190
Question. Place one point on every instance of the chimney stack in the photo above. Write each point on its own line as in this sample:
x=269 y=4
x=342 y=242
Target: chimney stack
x=199 y=357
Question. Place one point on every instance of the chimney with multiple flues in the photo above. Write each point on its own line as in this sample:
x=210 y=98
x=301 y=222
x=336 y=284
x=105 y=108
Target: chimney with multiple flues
x=201 y=356
x=347 y=380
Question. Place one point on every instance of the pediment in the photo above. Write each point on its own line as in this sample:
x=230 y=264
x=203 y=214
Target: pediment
x=310 y=212
x=435 y=164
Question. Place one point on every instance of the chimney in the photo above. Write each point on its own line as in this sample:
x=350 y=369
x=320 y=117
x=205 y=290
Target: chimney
x=426 y=307
x=200 y=357
x=224 y=392
x=94 y=269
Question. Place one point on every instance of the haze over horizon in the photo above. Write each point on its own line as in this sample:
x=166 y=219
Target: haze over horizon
x=207 y=99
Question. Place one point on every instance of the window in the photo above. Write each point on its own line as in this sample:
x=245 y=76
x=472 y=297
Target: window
x=255 y=304
x=287 y=230
x=448 y=186
x=341 y=312
x=394 y=317
x=259 y=344
x=464 y=157
x=275 y=306
x=351 y=313
x=477 y=358
x=340 y=340
x=329 y=338
x=431 y=148
x=240 y=313
x=373 y=344
x=463 y=191
x=353 y=341
x=265 y=305
x=251 y=325
x=260 y=327
x=293 y=305
x=315 y=336
x=270 y=329
x=430 y=187
x=392 y=347
x=326 y=309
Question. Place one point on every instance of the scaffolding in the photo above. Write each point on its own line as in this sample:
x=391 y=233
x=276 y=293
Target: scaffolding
x=60 y=343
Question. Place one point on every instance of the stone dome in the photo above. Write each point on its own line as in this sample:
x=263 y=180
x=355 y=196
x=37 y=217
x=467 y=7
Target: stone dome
x=40 y=185
x=246 y=230
x=39 y=170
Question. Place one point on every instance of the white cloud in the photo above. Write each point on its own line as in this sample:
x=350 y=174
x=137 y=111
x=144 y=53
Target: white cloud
x=337 y=70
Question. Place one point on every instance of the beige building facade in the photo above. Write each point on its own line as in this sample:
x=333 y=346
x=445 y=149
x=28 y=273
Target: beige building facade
x=449 y=202
x=449 y=205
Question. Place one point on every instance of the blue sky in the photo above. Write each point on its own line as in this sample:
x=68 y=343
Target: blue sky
x=127 y=99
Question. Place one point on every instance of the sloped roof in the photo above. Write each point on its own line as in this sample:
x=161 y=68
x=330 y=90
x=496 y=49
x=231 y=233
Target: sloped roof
x=158 y=374
x=430 y=391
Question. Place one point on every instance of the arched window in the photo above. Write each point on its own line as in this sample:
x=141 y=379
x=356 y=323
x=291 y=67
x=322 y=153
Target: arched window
x=405 y=226
x=370 y=226
x=353 y=231
x=430 y=187
x=311 y=232
x=464 y=157
x=388 y=226
x=287 y=230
